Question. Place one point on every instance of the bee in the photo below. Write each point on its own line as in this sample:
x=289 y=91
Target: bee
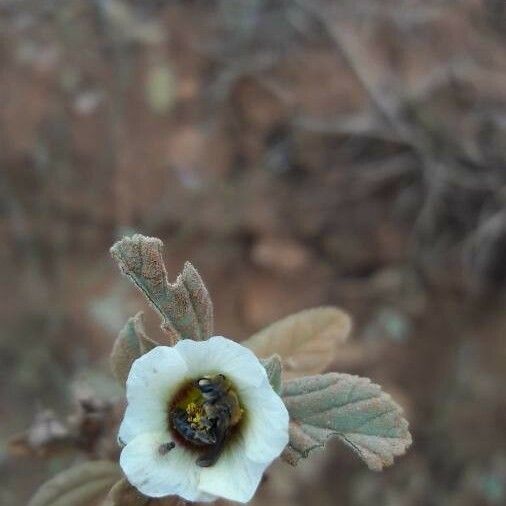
x=208 y=423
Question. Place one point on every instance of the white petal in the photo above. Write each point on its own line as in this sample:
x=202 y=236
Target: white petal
x=152 y=382
x=153 y=379
x=233 y=477
x=157 y=475
x=266 y=429
x=221 y=355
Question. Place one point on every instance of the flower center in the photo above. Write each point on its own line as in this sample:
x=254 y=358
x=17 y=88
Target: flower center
x=204 y=413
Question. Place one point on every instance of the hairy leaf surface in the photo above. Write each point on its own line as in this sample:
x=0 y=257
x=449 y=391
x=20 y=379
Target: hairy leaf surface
x=274 y=371
x=132 y=342
x=184 y=306
x=352 y=408
x=307 y=342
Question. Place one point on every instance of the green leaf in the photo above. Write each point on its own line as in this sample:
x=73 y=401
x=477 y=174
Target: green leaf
x=307 y=341
x=274 y=371
x=131 y=343
x=349 y=407
x=78 y=486
x=160 y=88
x=185 y=306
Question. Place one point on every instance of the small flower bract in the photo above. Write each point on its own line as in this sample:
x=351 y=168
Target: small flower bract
x=202 y=421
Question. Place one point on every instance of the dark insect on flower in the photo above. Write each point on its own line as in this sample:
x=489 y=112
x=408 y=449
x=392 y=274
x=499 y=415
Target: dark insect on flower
x=208 y=423
x=165 y=448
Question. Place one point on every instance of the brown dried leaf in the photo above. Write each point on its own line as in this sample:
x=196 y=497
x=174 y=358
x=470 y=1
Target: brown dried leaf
x=94 y=424
x=88 y=429
x=131 y=343
x=185 y=306
x=46 y=437
x=307 y=341
x=78 y=486
x=349 y=407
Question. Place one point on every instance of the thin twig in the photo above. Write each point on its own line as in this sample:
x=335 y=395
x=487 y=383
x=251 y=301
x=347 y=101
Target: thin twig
x=346 y=47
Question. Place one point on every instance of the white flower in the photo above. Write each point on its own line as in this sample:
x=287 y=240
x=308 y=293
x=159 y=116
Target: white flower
x=158 y=461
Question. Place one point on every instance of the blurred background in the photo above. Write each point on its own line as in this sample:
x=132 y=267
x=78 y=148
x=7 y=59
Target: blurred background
x=299 y=153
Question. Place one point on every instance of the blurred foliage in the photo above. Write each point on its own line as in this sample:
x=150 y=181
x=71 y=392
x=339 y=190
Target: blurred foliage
x=308 y=153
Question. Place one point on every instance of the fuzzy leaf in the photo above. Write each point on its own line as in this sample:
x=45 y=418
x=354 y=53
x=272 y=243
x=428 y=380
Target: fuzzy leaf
x=189 y=282
x=274 y=370
x=184 y=306
x=306 y=341
x=349 y=407
x=78 y=486
x=131 y=343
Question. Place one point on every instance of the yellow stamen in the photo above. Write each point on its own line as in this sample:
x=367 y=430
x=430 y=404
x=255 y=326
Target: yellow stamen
x=195 y=414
